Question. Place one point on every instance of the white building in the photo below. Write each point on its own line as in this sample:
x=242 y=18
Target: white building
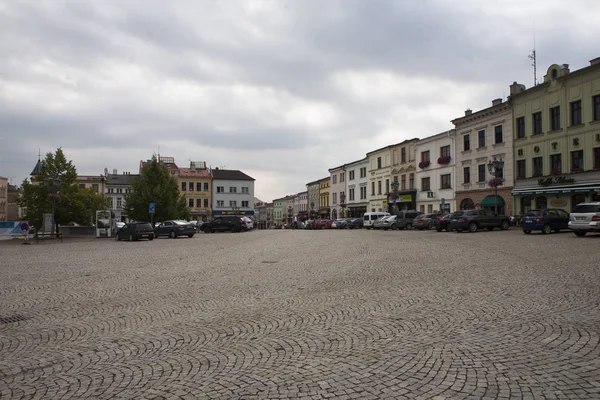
x=357 y=182
x=233 y=193
x=301 y=206
x=337 y=193
x=436 y=170
x=116 y=186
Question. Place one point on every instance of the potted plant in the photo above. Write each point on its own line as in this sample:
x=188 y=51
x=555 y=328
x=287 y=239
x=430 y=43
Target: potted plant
x=424 y=164
x=444 y=160
x=495 y=182
x=556 y=172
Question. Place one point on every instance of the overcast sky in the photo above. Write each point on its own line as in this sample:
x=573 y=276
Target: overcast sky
x=282 y=90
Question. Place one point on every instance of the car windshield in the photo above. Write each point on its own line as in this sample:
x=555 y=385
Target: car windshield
x=457 y=214
x=383 y=219
x=533 y=213
x=587 y=208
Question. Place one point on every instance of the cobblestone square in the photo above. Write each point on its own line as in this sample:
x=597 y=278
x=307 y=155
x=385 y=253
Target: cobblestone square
x=303 y=314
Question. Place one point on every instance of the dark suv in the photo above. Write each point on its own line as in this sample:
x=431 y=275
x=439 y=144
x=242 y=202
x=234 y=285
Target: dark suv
x=225 y=223
x=473 y=220
x=135 y=231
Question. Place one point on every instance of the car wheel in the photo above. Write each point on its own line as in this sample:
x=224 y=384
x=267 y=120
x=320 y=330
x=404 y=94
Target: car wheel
x=394 y=227
x=232 y=230
x=130 y=237
x=438 y=229
x=473 y=227
x=504 y=225
x=546 y=229
x=527 y=232
x=409 y=226
x=151 y=237
x=580 y=233
x=191 y=235
x=172 y=234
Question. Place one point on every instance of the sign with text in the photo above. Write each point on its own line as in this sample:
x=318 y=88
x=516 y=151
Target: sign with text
x=557 y=180
x=151 y=208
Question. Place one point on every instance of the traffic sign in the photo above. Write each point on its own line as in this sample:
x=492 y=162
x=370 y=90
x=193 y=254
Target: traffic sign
x=24 y=227
x=151 y=208
x=443 y=201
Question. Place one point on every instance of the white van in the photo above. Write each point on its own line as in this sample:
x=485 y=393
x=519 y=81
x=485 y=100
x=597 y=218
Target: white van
x=371 y=217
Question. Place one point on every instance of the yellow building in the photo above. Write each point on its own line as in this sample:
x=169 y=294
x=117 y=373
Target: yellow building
x=195 y=185
x=556 y=128
x=403 y=172
x=324 y=187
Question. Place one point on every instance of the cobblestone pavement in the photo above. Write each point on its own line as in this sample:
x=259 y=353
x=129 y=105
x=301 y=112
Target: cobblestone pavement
x=304 y=314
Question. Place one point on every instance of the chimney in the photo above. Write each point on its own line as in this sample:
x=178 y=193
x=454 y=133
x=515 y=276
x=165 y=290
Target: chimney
x=595 y=61
x=114 y=171
x=495 y=102
x=468 y=112
x=192 y=166
x=516 y=88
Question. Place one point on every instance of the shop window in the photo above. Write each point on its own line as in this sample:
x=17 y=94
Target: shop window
x=541 y=202
x=467 y=204
x=525 y=205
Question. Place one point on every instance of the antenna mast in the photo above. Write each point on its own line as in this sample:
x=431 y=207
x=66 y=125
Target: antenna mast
x=533 y=57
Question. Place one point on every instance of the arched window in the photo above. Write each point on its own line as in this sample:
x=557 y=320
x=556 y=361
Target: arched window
x=541 y=202
x=554 y=73
x=576 y=199
x=525 y=205
x=467 y=204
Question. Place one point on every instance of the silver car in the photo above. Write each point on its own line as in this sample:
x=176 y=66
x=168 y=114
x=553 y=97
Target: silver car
x=386 y=223
x=585 y=218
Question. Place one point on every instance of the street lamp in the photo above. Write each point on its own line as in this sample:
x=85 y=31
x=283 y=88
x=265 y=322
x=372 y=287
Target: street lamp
x=496 y=168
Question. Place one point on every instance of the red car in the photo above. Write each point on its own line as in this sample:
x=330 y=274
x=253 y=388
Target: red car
x=323 y=224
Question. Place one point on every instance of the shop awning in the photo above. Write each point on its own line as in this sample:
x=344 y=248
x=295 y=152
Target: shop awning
x=555 y=190
x=492 y=201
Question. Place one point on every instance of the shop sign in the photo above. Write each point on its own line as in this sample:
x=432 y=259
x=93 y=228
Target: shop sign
x=557 y=180
x=558 y=203
x=405 y=198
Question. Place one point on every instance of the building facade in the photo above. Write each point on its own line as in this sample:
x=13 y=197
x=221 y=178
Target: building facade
x=116 y=187
x=380 y=178
x=278 y=211
x=357 y=185
x=301 y=206
x=337 y=195
x=324 y=203
x=95 y=182
x=269 y=210
x=195 y=186
x=435 y=174
x=3 y=199
x=313 y=198
x=233 y=193
x=481 y=137
x=403 y=177
x=288 y=209
x=557 y=139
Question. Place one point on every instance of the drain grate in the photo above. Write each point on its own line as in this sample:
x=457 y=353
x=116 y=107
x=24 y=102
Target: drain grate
x=12 y=319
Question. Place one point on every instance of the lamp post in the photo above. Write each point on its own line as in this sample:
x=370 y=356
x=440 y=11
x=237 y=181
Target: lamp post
x=55 y=184
x=394 y=195
x=343 y=203
x=496 y=168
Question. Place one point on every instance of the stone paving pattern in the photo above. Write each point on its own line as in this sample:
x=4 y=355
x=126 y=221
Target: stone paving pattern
x=304 y=314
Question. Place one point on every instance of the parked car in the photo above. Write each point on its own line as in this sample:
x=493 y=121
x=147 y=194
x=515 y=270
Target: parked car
x=386 y=223
x=118 y=226
x=249 y=223
x=174 y=229
x=443 y=222
x=356 y=223
x=226 y=223
x=135 y=231
x=405 y=219
x=337 y=223
x=585 y=218
x=370 y=218
x=473 y=220
x=344 y=223
x=426 y=221
x=199 y=226
x=545 y=220
x=323 y=224
x=309 y=224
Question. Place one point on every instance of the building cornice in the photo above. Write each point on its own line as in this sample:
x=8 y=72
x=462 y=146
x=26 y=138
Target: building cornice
x=482 y=114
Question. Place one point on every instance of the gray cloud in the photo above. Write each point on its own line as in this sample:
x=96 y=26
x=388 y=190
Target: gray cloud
x=283 y=90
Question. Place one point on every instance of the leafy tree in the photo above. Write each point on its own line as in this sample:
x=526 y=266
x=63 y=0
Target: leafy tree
x=55 y=182
x=155 y=185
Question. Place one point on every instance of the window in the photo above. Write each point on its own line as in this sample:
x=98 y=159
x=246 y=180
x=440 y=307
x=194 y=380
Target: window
x=198 y=187
x=232 y=203
x=596 y=106
x=220 y=203
x=378 y=162
x=111 y=203
x=555 y=163
x=232 y=189
x=481 y=173
x=520 y=127
x=378 y=187
x=411 y=181
x=446 y=181
x=577 y=160
x=425 y=156
x=95 y=187
x=334 y=177
x=183 y=186
x=190 y=202
x=342 y=177
x=351 y=194
x=403 y=154
x=119 y=202
x=445 y=151
x=521 y=169
x=538 y=166
x=363 y=172
x=245 y=203
x=467 y=175
x=403 y=184
x=576 y=113
x=537 y=123
x=481 y=138
x=191 y=186
x=334 y=199
x=597 y=158
x=82 y=185
x=555 y=118
x=425 y=184
x=422 y=208
x=245 y=190
x=220 y=189
x=351 y=175
x=372 y=188
x=387 y=185
x=198 y=203
x=498 y=134
x=466 y=142
x=363 y=192
x=429 y=208
x=206 y=186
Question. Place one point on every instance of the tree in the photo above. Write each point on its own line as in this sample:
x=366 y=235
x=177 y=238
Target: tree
x=155 y=185
x=55 y=182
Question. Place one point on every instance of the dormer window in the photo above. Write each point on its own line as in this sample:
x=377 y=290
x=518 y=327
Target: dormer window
x=554 y=73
